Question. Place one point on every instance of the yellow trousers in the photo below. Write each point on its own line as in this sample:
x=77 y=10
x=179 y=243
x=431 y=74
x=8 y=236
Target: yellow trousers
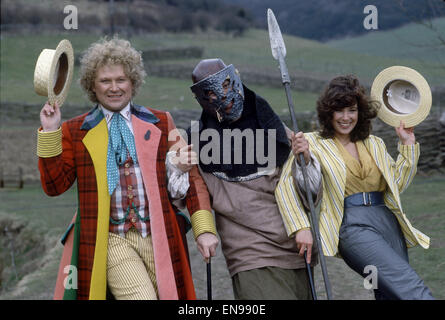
x=130 y=267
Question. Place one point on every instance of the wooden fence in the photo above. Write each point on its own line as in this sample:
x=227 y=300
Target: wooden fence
x=11 y=179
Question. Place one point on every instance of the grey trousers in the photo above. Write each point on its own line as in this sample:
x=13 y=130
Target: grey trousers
x=272 y=283
x=371 y=236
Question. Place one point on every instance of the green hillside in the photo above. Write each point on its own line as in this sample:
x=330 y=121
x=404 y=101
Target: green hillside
x=413 y=41
x=249 y=52
x=19 y=55
x=325 y=20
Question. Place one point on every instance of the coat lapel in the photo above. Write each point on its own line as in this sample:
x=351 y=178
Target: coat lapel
x=96 y=142
x=333 y=162
x=383 y=164
x=147 y=137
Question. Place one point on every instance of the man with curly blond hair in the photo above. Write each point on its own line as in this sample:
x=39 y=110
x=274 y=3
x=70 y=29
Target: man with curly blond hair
x=127 y=238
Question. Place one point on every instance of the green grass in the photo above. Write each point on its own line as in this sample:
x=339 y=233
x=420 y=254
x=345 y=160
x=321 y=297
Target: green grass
x=168 y=94
x=303 y=55
x=424 y=204
x=18 y=55
x=32 y=205
x=412 y=41
x=37 y=246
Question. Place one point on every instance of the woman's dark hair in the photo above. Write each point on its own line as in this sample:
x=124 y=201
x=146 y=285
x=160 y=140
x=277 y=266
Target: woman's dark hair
x=342 y=92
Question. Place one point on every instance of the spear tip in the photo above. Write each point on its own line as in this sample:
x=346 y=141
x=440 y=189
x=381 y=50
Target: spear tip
x=276 y=38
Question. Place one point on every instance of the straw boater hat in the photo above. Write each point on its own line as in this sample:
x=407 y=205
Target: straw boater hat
x=53 y=72
x=403 y=95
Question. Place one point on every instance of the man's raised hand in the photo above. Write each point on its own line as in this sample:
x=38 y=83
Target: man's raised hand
x=50 y=117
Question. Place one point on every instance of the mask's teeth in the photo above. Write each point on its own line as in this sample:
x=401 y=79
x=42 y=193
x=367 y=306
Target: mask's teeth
x=219 y=116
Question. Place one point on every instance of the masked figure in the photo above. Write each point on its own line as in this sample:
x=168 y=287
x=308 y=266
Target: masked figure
x=227 y=89
x=242 y=145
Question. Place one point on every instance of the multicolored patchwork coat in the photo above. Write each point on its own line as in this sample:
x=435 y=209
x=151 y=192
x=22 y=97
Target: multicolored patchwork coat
x=79 y=151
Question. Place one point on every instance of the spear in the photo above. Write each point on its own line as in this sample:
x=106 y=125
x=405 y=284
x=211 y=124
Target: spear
x=279 y=53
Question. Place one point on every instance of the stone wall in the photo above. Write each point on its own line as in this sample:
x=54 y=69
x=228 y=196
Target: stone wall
x=19 y=123
x=430 y=134
x=265 y=77
x=172 y=53
x=269 y=77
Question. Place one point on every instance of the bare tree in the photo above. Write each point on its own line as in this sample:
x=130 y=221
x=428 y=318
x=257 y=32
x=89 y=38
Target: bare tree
x=111 y=11
x=433 y=9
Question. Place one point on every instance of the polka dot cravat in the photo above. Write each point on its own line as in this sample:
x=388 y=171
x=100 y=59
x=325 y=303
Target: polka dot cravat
x=120 y=144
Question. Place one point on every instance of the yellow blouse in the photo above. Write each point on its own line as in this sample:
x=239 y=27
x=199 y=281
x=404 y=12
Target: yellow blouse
x=363 y=175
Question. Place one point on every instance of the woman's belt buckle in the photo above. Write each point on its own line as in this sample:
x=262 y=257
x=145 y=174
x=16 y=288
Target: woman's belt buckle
x=367 y=199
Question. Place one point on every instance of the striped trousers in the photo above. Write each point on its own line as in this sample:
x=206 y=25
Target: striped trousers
x=130 y=267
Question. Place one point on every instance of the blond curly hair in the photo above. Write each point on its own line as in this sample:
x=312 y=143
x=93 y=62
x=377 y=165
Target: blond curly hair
x=111 y=52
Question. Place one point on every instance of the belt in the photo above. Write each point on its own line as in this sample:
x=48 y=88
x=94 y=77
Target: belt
x=364 y=199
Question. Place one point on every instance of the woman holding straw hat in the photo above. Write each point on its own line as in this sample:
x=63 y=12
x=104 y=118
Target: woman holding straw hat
x=361 y=216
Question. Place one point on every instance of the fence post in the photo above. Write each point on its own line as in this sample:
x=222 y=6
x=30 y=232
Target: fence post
x=2 y=184
x=21 y=182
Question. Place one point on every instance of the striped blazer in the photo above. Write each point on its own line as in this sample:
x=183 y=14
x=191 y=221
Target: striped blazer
x=398 y=175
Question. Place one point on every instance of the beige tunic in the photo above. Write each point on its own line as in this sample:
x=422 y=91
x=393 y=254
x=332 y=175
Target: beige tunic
x=250 y=225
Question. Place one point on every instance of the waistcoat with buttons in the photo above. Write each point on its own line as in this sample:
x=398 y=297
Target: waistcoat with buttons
x=129 y=203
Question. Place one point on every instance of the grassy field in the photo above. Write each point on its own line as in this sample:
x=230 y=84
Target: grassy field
x=39 y=222
x=412 y=41
x=424 y=203
x=19 y=54
x=44 y=219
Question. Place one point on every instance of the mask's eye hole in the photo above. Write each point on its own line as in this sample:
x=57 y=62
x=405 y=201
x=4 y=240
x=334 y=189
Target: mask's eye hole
x=211 y=95
x=226 y=85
